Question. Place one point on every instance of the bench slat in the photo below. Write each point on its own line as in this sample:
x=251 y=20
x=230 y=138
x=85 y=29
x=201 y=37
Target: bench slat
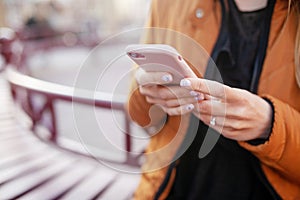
x=5 y=129
x=61 y=184
x=21 y=156
x=91 y=186
x=11 y=135
x=6 y=116
x=7 y=123
x=29 y=182
x=11 y=147
x=26 y=167
x=125 y=187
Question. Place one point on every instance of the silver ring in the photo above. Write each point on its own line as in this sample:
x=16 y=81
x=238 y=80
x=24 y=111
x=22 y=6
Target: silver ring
x=212 y=121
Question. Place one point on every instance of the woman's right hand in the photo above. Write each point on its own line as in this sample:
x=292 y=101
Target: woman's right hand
x=159 y=89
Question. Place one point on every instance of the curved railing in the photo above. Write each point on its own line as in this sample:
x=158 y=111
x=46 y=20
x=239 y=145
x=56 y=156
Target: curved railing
x=24 y=87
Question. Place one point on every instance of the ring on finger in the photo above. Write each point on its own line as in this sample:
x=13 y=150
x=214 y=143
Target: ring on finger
x=212 y=121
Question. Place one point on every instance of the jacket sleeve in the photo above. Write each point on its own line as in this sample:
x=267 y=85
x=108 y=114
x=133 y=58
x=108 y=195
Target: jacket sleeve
x=281 y=151
x=137 y=107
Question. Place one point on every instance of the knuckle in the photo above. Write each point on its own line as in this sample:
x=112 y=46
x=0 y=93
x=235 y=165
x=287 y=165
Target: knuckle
x=169 y=112
x=174 y=111
x=204 y=107
x=162 y=92
x=149 y=100
x=230 y=134
x=142 y=90
x=204 y=118
x=138 y=79
x=164 y=109
x=139 y=75
x=237 y=125
x=169 y=103
x=229 y=93
x=242 y=111
x=244 y=100
x=181 y=101
x=197 y=85
x=241 y=95
x=148 y=90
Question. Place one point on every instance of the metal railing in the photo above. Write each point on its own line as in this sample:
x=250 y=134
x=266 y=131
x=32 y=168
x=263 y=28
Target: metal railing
x=24 y=87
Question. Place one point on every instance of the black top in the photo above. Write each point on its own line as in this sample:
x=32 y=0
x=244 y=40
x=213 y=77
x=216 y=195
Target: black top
x=229 y=171
x=236 y=56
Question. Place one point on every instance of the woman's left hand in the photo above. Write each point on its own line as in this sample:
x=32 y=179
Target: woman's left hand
x=237 y=114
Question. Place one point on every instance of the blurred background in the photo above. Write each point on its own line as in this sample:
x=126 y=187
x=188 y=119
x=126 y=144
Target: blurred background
x=59 y=38
x=106 y=17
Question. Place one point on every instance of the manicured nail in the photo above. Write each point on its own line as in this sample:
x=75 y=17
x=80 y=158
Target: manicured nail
x=200 y=97
x=167 y=78
x=185 y=83
x=190 y=107
x=194 y=94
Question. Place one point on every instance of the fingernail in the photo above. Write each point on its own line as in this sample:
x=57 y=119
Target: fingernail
x=194 y=94
x=185 y=83
x=167 y=78
x=190 y=107
x=200 y=97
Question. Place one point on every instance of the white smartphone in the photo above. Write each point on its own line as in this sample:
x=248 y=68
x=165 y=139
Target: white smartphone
x=160 y=57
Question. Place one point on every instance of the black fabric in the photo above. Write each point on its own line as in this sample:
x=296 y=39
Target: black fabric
x=225 y=173
x=236 y=58
x=228 y=171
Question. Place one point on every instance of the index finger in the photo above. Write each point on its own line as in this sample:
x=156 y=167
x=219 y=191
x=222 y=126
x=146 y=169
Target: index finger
x=155 y=78
x=205 y=86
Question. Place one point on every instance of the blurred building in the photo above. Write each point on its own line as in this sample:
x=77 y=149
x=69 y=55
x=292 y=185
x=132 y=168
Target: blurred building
x=2 y=11
x=105 y=16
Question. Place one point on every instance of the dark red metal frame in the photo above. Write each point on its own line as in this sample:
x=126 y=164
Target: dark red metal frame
x=24 y=87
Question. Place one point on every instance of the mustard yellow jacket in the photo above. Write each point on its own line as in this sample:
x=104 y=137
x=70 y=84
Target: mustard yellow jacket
x=200 y=20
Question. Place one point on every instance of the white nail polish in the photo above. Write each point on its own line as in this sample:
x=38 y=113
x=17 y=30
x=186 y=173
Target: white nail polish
x=185 y=83
x=167 y=78
x=200 y=97
x=194 y=94
x=190 y=107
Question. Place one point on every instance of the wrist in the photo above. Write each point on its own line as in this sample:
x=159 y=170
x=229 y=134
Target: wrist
x=265 y=135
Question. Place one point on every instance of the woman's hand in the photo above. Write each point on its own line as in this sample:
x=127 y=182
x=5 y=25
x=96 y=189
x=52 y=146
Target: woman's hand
x=159 y=89
x=236 y=113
